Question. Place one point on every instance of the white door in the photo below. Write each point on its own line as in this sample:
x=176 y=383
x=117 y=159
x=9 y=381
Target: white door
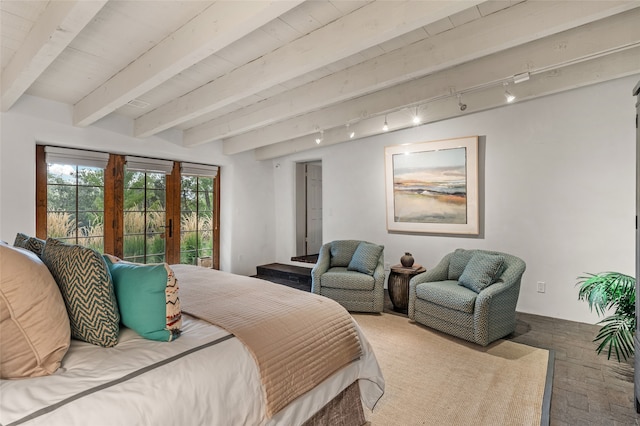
x=314 y=208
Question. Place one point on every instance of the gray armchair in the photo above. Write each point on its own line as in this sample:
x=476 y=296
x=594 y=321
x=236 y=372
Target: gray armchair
x=467 y=296
x=351 y=272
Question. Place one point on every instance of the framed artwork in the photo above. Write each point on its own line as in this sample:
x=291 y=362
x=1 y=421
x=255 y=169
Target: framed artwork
x=432 y=187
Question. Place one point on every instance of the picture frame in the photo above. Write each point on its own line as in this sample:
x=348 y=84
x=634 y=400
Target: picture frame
x=432 y=187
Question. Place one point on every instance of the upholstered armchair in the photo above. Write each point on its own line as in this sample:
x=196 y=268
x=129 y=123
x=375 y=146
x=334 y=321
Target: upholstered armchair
x=351 y=272
x=471 y=294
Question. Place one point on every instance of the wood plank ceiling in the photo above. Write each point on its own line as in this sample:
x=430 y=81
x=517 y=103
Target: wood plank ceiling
x=274 y=76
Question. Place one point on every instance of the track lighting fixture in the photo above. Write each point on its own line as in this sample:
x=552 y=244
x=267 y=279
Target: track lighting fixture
x=350 y=132
x=460 y=104
x=507 y=95
x=320 y=137
x=385 y=126
x=416 y=118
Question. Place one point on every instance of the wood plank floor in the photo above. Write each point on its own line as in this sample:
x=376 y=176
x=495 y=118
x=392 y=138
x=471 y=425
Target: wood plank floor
x=587 y=388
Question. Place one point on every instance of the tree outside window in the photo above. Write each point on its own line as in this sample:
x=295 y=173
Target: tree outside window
x=75 y=205
x=196 y=219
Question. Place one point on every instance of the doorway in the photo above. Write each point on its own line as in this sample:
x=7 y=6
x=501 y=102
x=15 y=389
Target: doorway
x=308 y=210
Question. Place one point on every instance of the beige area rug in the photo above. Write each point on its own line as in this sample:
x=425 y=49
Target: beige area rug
x=435 y=379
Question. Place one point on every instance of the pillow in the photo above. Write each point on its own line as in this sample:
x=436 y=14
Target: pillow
x=342 y=252
x=147 y=297
x=365 y=258
x=33 y=244
x=458 y=262
x=33 y=320
x=482 y=270
x=85 y=283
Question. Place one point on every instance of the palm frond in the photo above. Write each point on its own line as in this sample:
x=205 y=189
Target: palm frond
x=616 y=335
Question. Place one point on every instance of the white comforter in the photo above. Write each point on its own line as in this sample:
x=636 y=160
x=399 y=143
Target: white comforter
x=206 y=377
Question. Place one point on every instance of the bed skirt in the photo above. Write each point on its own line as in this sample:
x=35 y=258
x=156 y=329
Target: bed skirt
x=343 y=410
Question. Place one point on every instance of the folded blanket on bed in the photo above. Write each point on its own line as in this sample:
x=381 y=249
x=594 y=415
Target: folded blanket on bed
x=298 y=339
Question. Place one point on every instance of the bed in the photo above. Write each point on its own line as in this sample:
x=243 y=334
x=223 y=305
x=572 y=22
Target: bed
x=207 y=376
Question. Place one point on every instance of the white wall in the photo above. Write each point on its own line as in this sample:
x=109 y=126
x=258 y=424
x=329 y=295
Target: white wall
x=558 y=184
x=544 y=160
x=246 y=206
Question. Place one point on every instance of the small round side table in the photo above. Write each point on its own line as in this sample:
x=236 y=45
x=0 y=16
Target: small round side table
x=398 y=284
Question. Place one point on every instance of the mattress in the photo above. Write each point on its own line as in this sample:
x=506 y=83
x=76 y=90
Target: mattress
x=206 y=377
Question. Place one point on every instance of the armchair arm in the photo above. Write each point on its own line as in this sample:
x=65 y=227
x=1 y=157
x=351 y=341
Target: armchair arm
x=321 y=266
x=439 y=273
x=378 y=288
x=496 y=305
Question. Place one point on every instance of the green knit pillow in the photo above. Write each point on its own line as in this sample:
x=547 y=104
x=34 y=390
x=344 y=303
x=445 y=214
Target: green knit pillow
x=365 y=258
x=482 y=270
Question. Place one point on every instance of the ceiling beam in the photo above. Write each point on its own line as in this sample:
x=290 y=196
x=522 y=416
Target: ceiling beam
x=607 y=35
x=498 y=31
x=56 y=27
x=365 y=27
x=221 y=24
x=582 y=74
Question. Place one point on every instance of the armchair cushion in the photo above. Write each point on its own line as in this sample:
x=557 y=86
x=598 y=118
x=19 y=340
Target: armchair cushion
x=482 y=270
x=448 y=294
x=365 y=258
x=342 y=252
x=458 y=262
x=342 y=278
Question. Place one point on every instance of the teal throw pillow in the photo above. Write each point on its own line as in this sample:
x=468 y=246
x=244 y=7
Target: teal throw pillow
x=33 y=244
x=458 y=262
x=147 y=298
x=365 y=258
x=482 y=270
x=85 y=284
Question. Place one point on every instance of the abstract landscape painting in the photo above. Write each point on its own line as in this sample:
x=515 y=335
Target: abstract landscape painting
x=432 y=186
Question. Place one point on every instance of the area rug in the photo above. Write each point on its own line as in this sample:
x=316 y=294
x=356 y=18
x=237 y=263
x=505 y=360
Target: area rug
x=435 y=379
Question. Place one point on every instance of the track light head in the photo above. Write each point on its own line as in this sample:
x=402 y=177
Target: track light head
x=508 y=95
x=416 y=118
x=385 y=126
x=460 y=104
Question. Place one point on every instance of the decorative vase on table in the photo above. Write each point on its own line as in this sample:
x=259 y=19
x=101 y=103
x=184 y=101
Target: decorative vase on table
x=407 y=260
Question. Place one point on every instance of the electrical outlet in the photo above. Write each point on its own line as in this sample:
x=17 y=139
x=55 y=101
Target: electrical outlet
x=387 y=266
x=541 y=287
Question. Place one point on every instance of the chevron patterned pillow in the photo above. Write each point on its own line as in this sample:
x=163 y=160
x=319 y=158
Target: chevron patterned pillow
x=85 y=283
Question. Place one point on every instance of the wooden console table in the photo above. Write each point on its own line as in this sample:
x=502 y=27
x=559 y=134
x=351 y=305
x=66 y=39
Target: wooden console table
x=398 y=284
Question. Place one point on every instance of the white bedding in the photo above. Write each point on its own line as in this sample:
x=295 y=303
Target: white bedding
x=217 y=384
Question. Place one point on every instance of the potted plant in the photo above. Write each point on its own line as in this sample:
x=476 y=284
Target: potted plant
x=607 y=291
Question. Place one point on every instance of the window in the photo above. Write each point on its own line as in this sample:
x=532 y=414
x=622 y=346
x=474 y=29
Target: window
x=144 y=217
x=75 y=197
x=139 y=209
x=197 y=214
x=196 y=219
